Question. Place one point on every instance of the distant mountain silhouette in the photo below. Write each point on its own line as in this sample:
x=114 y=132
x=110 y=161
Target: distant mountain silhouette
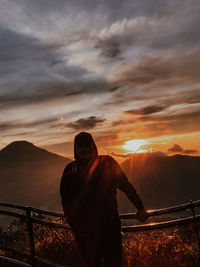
x=163 y=180
x=30 y=175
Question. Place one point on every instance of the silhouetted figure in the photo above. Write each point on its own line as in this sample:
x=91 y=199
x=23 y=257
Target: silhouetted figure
x=88 y=193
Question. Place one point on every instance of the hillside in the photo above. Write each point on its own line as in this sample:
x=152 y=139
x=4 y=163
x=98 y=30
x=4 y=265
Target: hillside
x=164 y=180
x=30 y=175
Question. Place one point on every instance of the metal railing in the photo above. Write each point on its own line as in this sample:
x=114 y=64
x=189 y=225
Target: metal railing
x=30 y=215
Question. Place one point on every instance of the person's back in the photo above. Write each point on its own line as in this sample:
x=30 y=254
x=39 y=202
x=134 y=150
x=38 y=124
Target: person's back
x=88 y=192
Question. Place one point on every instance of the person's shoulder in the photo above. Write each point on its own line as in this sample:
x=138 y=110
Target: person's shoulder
x=106 y=158
x=69 y=167
x=68 y=173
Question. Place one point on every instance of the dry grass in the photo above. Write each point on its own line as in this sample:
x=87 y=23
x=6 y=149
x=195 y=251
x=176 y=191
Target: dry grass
x=176 y=247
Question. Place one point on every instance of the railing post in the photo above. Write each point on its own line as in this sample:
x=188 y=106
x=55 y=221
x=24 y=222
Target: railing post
x=195 y=227
x=31 y=237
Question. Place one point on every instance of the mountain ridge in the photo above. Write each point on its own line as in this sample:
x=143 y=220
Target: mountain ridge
x=21 y=147
x=31 y=176
x=166 y=180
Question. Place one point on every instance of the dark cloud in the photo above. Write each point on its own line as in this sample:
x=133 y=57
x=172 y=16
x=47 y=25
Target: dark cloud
x=124 y=122
x=49 y=52
x=191 y=97
x=50 y=91
x=109 y=48
x=178 y=149
x=169 y=31
x=18 y=124
x=184 y=122
x=181 y=69
x=161 y=124
x=26 y=61
x=85 y=123
x=181 y=117
x=145 y=111
x=193 y=114
x=37 y=94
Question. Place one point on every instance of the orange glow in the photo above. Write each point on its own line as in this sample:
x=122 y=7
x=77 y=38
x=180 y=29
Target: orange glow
x=136 y=146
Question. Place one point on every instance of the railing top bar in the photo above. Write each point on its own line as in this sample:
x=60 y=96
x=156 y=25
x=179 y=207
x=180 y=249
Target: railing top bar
x=22 y=207
x=12 y=205
x=12 y=213
x=131 y=228
x=49 y=263
x=57 y=225
x=47 y=212
x=122 y=216
x=159 y=226
x=151 y=226
x=164 y=210
x=16 y=262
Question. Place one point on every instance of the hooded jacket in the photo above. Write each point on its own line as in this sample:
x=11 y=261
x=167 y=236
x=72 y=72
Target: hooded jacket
x=88 y=194
x=89 y=187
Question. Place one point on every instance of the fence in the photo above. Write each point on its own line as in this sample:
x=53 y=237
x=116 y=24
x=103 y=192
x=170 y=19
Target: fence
x=21 y=239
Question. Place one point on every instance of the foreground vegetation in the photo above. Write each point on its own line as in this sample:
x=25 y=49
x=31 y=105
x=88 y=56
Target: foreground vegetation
x=176 y=247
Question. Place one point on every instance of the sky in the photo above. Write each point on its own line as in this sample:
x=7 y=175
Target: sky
x=121 y=70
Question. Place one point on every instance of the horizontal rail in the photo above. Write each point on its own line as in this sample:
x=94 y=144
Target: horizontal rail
x=164 y=210
x=133 y=228
x=48 y=223
x=47 y=212
x=162 y=225
x=16 y=262
x=122 y=216
x=14 y=214
x=20 y=253
x=49 y=262
x=12 y=205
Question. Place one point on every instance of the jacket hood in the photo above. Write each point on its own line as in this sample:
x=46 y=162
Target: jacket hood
x=84 y=140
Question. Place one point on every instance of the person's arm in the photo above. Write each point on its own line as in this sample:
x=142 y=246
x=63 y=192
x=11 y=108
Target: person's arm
x=69 y=196
x=125 y=186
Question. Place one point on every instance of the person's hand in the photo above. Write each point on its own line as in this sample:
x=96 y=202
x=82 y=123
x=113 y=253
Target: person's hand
x=142 y=215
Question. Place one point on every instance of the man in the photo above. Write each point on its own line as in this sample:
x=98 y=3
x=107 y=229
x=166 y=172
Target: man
x=88 y=194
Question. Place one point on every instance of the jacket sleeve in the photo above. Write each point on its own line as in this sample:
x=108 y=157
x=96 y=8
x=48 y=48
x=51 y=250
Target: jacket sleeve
x=126 y=186
x=65 y=184
x=68 y=192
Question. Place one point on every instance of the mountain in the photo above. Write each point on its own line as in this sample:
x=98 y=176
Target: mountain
x=30 y=175
x=163 y=180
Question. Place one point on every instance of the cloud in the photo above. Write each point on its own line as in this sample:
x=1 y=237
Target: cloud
x=74 y=56
x=178 y=149
x=124 y=122
x=145 y=110
x=44 y=92
x=26 y=62
x=85 y=123
x=110 y=48
x=14 y=125
x=51 y=91
x=129 y=155
x=161 y=71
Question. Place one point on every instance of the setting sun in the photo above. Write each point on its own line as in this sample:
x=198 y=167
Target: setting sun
x=136 y=146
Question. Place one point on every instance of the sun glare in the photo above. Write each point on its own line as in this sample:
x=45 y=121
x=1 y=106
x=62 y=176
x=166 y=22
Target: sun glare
x=136 y=146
